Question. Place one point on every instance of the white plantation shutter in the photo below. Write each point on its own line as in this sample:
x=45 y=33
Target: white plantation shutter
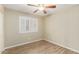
x=33 y=25
x=27 y=24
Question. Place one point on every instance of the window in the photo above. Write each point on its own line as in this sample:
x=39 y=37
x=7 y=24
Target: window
x=28 y=24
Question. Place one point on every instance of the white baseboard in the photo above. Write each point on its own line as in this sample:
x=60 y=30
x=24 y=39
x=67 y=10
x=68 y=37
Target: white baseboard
x=63 y=46
x=46 y=40
x=22 y=44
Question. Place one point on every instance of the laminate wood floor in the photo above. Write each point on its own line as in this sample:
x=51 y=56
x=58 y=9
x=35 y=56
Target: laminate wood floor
x=40 y=47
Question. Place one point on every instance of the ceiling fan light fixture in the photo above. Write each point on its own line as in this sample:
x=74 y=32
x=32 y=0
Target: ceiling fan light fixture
x=41 y=8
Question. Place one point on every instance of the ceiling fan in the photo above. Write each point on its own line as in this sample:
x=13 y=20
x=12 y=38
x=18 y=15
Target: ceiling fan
x=42 y=7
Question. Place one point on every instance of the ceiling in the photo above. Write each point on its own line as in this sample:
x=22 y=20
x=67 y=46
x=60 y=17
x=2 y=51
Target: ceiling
x=29 y=9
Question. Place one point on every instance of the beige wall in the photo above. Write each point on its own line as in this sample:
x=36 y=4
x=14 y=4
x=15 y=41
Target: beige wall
x=13 y=37
x=63 y=27
x=1 y=28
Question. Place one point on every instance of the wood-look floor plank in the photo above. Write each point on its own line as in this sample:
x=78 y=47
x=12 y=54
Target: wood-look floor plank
x=40 y=47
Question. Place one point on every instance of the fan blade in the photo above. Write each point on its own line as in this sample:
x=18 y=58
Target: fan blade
x=45 y=11
x=32 y=5
x=52 y=6
x=35 y=11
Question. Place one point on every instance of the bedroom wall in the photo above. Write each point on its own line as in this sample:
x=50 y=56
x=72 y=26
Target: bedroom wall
x=12 y=35
x=63 y=28
x=1 y=28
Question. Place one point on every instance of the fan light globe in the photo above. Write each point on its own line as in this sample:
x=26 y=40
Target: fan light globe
x=41 y=8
